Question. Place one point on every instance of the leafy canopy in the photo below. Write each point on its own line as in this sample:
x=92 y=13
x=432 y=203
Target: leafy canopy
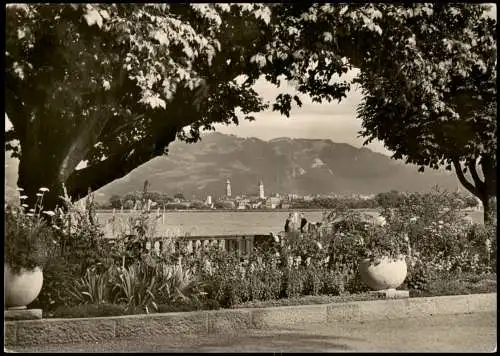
x=114 y=84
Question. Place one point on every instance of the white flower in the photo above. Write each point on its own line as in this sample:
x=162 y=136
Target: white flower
x=319 y=245
x=24 y=205
x=20 y=189
x=39 y=194
x=413 y=219
x=440 y=222
x=23 y=197
x=43 y=189
x=276 y=238
x=106 y=85
x=50 y=213
x=30 y=214
x=380 y=221
x=32 y=210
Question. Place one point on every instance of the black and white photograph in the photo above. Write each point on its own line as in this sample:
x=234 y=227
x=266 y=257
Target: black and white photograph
x=250 y=177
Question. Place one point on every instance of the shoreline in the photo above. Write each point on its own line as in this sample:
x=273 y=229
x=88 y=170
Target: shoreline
x=110 y=211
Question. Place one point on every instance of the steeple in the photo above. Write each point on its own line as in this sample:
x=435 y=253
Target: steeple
x=261 y=190
x=228 y=188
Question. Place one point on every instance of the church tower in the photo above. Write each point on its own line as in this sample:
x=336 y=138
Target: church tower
x=261 y=190
x=228 y=188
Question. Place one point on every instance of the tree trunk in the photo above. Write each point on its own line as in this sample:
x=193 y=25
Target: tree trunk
x=485 y=189
x=35 y=172
x=486 y=211
x=489 y=210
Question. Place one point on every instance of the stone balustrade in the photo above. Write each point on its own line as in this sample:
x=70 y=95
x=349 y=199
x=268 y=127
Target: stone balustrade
x=241 y=244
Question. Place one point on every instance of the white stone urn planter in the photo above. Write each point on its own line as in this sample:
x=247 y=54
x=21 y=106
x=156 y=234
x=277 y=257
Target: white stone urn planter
x=21 y=288
x=384 y=273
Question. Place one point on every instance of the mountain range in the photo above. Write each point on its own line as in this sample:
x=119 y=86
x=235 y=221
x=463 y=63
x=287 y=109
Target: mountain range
x=285 y=165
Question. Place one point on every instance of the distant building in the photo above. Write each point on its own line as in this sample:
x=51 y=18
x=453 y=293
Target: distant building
x=261 y=190
x=209 y=200
x=256 y=205
x=292 y=196
x=228 y=204
x=273 y=202
x=242 y=203
x=228 y=188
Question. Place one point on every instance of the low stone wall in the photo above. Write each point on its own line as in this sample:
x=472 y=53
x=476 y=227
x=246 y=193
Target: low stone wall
x=57 y=331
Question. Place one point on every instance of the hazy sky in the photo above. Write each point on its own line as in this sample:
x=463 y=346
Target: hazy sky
x=335 y=121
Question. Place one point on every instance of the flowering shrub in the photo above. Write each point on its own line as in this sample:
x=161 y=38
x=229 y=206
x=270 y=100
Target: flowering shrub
x=354 y=237
x=428 y=220
x=79 y=245
x=262 y=278
x=80 y=237
x=441 y=241
x=28 y=236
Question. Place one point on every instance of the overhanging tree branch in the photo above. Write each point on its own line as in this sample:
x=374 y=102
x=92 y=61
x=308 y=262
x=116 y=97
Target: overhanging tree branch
x=461 y=177
x=471 y=165
x=116 y=166
x=81 y=144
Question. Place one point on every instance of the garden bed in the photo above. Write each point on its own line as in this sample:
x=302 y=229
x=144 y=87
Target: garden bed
x=461 y=285
x=85 y=276
x=464 y=284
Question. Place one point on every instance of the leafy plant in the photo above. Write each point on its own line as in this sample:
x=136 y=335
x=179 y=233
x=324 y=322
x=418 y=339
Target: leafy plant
x=334 y=282
x=293 y=282
x=138 y=229
x=135 y=287
x=58 y=277
x=93 y=288
x=352 y=236
x=380 y=241
x=178 y=284
x=28 y=236
x=262 y=278
x=418 y=277
x=312 y=280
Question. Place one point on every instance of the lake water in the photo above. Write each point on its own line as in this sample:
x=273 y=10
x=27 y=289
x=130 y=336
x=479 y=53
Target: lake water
x=198 y=223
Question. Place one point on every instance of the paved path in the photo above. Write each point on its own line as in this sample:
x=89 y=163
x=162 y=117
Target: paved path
x=450 y=333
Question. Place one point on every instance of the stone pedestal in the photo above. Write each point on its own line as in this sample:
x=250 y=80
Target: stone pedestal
x=391 y=294
x=22 y=314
